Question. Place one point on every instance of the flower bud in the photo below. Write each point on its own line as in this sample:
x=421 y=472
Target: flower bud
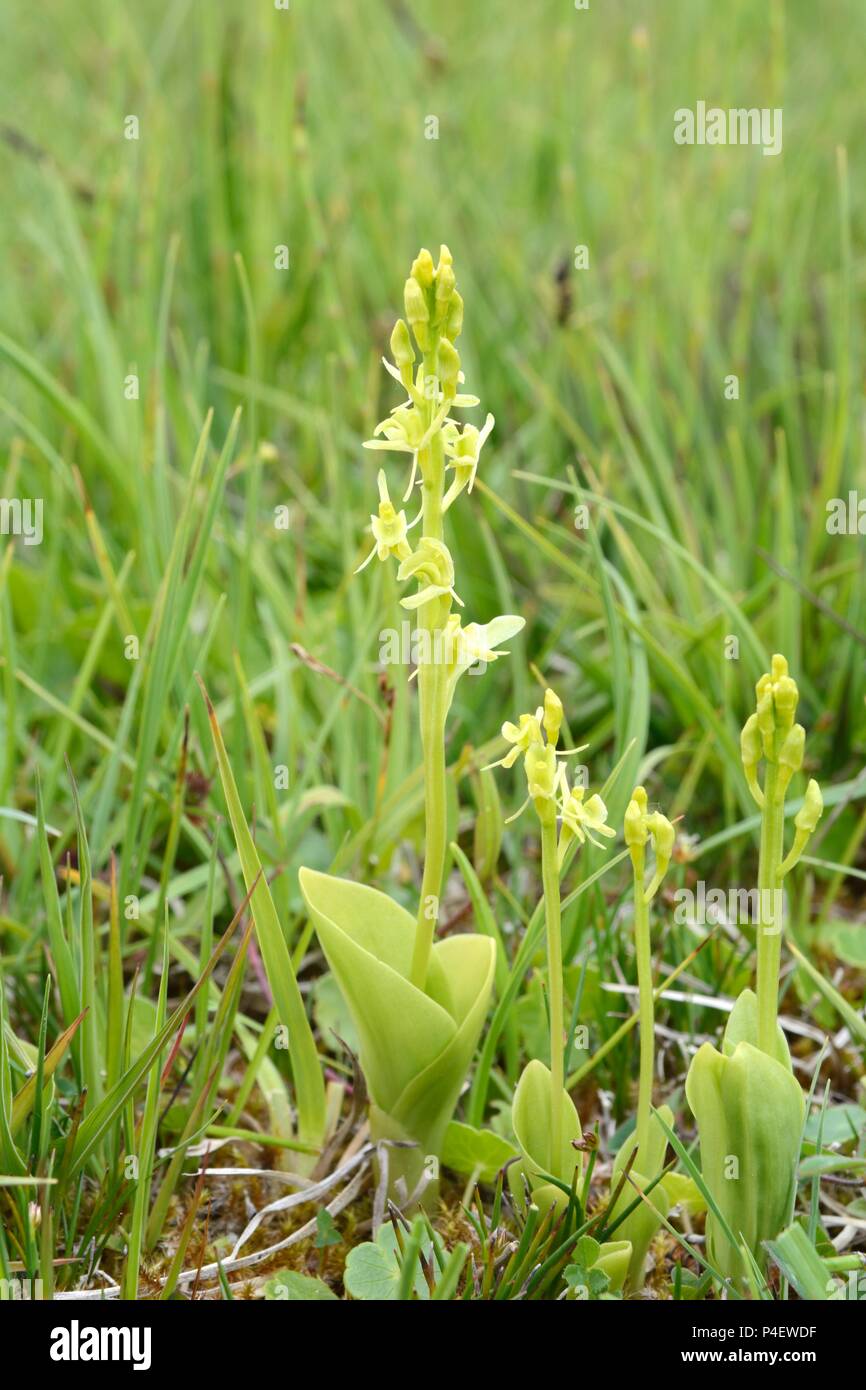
x=541 y=774
x=805 y=822
x=449 y=368
x=634 y=826
x=454 y=320
x=791 y=756
x=765 y=715
x=402 y=351
x=776 y=703
x=751 y=752
x=812 y=809
x=552 y=716
x=446 y=282
x=663 y=837
x=422 y=268
x=417 y=312
x=750 y=743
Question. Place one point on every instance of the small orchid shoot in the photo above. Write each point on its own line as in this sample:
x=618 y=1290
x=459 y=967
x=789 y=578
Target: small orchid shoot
x=645 y=1148
x=535 y=737
x=771 y=735
x=644 y=827
x=747 y=1102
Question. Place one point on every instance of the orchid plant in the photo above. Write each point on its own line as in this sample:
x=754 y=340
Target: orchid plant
x=748 y=1105
x=638 y=1164
x=418 y=1004
x=544 y=1117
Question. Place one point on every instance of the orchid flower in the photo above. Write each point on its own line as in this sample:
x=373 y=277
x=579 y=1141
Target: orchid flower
x=389 y=528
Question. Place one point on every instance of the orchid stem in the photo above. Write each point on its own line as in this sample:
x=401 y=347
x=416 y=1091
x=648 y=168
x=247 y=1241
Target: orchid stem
x=643 y=951
x=769 y=925
x=550 y=880
x=432 y=617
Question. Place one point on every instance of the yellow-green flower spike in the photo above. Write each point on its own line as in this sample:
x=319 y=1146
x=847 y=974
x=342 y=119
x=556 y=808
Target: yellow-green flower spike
x=776 y=697
x=640 y=826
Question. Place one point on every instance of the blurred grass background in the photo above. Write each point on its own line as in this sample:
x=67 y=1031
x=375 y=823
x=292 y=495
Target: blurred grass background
x=261 y=128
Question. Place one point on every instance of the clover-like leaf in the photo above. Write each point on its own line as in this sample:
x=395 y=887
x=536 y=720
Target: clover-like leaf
x=372 y=1272
x=481 y=1152
x=289 y=1286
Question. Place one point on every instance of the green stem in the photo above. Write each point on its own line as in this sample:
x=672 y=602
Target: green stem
x=769 y=920
x=431 y=693
x=550 y=880
x=643 y=951
x=432 y=680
